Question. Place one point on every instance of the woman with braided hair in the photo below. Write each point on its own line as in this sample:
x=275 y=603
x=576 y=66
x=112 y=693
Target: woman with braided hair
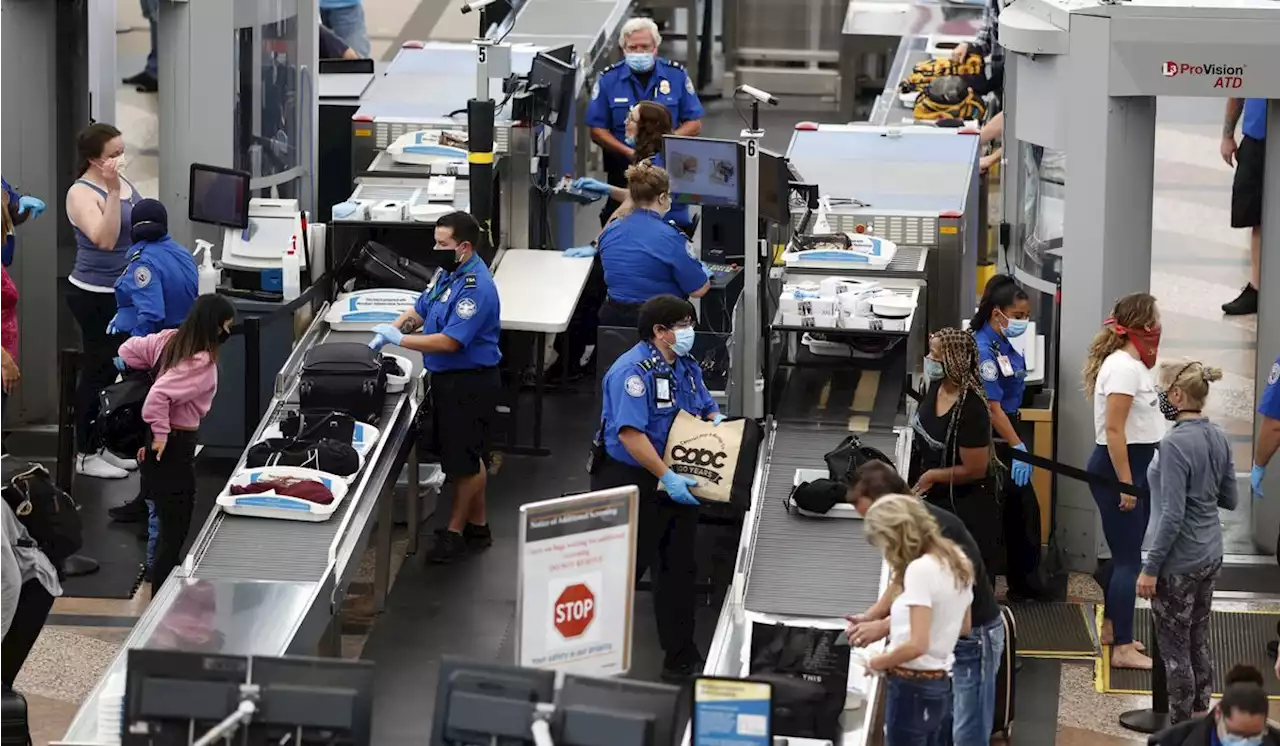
x=953 y=464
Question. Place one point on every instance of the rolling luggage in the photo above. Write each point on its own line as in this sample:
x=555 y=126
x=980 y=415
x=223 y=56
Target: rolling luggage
x=343 y=377
x=14 y=730
x=1006 y=678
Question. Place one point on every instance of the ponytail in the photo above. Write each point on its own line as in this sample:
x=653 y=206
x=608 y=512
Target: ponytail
x=1002 y=291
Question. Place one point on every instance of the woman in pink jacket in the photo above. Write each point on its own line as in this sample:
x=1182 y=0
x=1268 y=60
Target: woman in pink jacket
x=186 y=361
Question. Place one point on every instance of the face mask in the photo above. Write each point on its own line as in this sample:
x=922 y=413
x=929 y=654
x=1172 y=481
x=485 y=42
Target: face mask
x=1167 y=409
x=933 y=370
x=640 y=62
x=447 y=259
x=684 y=341
x=629 y=140
x=1231 y=739
x=1016 y=328
x=223 y=336
x=1147 y=341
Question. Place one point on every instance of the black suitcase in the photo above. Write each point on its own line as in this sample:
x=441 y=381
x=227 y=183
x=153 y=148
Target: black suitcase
x=343 y=377
x=13 y=727
x=1006 y=678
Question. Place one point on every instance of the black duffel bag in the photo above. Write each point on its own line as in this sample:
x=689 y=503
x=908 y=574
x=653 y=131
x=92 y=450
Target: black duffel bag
x=119 y=422
x=843 y=460
x=51 y=516
x=376 y=266
x=343 y=377
x=324 y=454
x=313 y=426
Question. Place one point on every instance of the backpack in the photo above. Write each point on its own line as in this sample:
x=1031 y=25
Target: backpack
x=948 y=97
x=346 y=377
x=376 y=266
x=119 y=423
x=324 y=454
x=50 y=515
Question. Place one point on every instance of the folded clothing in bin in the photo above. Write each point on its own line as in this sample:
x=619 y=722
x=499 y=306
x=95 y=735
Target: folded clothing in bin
x=303 y=489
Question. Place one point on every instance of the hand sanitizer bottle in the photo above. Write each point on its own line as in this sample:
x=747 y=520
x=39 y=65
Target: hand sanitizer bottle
x=291 y=270
x=209 y=276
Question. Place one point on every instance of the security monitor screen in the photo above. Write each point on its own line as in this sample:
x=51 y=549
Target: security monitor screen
x=704 y=172
x=219 y=196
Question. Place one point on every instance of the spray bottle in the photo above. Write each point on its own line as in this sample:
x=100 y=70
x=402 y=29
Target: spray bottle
x=209 y=276
x=291 y=269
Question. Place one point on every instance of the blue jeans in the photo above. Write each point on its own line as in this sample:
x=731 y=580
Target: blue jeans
x=151 y=11
x=153 y=530
x=1124 y=530
x=917 y=712
x=348 y=24
x=973 y=697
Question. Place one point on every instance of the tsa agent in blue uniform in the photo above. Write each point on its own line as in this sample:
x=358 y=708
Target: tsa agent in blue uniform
x=1269 y=429
x=21 y=207
x=643 y=391
x=641 y=76
x=155 y=292
x=455 y=325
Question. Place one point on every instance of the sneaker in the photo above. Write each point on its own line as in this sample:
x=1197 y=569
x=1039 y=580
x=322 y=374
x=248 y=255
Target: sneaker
x=93 y=465
x=479 y=538
x=119 y=462
x=144 y=82
x=131 y=512
x=1245 y=304
x=449 y=547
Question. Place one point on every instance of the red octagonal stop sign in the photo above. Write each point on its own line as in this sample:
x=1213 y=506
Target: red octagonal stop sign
x=574 y=610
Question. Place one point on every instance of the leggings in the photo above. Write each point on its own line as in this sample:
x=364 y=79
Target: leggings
x=93 y=312
x=1181 y=611
x=1124 y=530
x=170 y=484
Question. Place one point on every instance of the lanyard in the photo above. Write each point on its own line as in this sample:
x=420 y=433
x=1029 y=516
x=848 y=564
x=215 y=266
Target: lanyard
x=444 y=283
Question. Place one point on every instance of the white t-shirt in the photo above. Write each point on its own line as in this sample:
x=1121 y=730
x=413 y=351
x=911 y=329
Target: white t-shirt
x=928 y=582
x=1121 y=373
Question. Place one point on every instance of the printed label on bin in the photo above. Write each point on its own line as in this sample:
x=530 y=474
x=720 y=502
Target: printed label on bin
x=276 y=502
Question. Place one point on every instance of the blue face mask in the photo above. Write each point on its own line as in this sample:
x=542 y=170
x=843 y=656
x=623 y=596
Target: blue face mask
x=1231 y=739
x=684 y=341
x=630 y=140
x=933 y=370
x=1016 y=328
x=640 y=62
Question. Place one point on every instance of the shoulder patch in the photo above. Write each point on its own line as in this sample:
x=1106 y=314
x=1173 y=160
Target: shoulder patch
x=1274 y=375
x=141 y=277
x=466 y=308
x=988 y=370
x=469 y=281
x=688 y=249
x=634 y=386
x=688 y=86
x=595 y=90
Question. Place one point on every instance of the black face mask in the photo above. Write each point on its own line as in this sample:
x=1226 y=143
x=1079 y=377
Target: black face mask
x=223 y=336
x=447 y=260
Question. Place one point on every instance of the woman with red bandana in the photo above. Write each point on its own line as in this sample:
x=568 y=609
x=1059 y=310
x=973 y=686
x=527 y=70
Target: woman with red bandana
x=1128 y=425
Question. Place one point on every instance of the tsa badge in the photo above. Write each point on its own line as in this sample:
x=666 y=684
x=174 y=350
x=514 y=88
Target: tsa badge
x=664 y=88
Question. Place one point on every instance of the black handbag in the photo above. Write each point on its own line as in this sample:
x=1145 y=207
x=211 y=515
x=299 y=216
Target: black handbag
x=313 y=426
x=324 y=454
x=51 y=516
x=343 y=377
x=119 y=423
x=843 y=460
x=809 y=670
x=376 y=266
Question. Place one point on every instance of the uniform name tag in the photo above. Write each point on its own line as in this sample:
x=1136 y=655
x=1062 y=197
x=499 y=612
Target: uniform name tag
x=1006 y=368
x=662 y=391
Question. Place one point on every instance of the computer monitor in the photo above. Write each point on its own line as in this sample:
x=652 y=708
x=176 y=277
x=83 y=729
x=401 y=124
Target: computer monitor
x=704 y=171
x=219 y=196
x=557 y=76
x=617 y=712
x=168 y=694
x=479 y=702
x=564 y=53
x=328 y=700
x=775 y=188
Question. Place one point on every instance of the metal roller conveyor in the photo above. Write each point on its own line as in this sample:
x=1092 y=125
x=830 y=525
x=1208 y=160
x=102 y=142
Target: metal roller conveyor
x=262 y=586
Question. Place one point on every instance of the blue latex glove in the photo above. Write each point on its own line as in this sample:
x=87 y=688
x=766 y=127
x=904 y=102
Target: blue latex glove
x=32 y=204
x=1021 y=469
x=708 y=271
x=717 y=418
x=1255 y=479
x=389 y=334
x=377 y=342
x=344 y=210
x=580 y=252
x=588 y=184
x=113 y=325
x=119 y=363
x=678 y=487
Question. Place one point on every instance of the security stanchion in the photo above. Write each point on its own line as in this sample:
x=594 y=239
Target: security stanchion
x=1156 y=718
x=69 y=363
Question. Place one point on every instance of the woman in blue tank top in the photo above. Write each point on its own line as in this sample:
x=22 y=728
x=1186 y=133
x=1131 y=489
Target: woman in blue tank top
x=99 y=206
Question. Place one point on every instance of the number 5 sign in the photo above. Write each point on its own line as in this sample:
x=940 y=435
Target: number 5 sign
x=576 y=586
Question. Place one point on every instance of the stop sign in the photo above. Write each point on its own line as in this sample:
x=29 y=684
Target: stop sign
x=574 y=610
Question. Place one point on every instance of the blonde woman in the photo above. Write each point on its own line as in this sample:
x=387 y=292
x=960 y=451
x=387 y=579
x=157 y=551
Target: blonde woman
x=1193 y=476
x=925 y=620
x=1127 y=426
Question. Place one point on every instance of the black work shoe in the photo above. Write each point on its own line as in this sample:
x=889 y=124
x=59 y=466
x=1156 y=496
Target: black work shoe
x=131 y=512
x=478 y=538
x=679 y=673
x=1245 y=303
x=449 y=546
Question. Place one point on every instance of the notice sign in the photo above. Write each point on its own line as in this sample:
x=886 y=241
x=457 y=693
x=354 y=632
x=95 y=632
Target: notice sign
x=577 y=582
x=732 y=712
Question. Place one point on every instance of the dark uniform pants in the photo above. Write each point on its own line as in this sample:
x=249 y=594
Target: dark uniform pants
x=1181 y=611
x=666 y=543
x=615 y=313
x=170 y=484
x=1021 y=518
x=463 y=406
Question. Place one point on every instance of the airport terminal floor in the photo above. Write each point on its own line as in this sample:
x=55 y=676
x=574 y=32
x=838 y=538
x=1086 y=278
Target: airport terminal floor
x=1198 y=263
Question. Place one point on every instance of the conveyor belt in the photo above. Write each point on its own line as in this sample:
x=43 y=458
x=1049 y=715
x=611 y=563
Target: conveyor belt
x=246 y=548
x=804 y=566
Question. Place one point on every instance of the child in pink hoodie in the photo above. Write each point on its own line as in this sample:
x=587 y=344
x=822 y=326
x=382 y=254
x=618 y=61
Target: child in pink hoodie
x=186 y=361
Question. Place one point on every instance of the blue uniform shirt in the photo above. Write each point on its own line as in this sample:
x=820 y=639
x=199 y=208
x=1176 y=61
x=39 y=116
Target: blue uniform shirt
x=157 y=288
x=464 y=306
x=1005 y=389
x=1270 y=404
x=644 y=256
x=618 y=89
x=1254 y=119
x=631 y=397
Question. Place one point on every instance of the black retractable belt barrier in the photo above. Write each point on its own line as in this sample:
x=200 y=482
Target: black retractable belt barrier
x=69 y=362
x=1155 y=719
